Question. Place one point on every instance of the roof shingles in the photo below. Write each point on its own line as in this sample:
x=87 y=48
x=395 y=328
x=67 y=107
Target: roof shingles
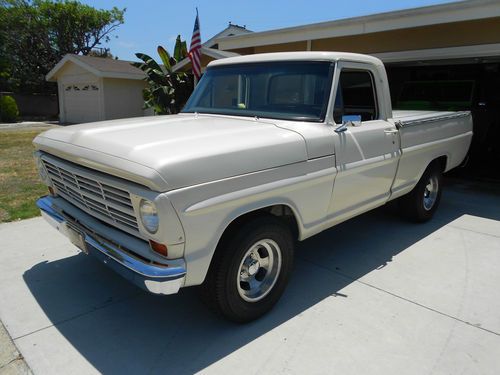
x=109 y=65
x=100 y=66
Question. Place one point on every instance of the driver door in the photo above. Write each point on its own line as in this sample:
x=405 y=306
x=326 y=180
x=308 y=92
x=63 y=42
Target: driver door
x=367 y=152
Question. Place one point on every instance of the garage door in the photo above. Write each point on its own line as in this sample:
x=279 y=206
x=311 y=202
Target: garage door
x=81 y=102
x=470 y=86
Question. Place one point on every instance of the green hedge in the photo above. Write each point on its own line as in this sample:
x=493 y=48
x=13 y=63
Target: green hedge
x=8 y=109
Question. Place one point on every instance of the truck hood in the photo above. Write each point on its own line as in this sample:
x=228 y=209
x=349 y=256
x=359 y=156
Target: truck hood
x=170 y=152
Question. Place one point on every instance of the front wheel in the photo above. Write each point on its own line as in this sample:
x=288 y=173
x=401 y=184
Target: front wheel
x=250 y=270
x=422 y=202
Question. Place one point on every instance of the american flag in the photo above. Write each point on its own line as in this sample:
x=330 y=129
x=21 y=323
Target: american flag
x=195 y=48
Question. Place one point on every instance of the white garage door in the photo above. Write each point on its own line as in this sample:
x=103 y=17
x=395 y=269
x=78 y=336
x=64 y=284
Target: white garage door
x=81 y=102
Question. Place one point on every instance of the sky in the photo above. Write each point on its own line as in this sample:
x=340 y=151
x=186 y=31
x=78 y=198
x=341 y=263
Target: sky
x=149 y=23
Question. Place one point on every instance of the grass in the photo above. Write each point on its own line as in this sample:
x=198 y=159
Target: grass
x=20 y=185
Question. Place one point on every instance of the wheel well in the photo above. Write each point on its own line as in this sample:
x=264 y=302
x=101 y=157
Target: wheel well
x=441 y=162
x=282 y=211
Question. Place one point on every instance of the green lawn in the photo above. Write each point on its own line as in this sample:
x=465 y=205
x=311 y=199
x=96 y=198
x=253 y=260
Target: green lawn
x=20 y=185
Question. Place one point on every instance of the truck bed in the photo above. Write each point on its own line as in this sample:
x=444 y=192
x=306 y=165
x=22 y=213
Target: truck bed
x=426 y=135
x=409 y=117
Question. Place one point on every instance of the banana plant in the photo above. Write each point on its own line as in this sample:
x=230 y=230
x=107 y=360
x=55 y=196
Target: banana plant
x=167 y=91
x=180 y=49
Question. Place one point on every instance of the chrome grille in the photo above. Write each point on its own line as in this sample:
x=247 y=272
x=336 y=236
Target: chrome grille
x=98 y=198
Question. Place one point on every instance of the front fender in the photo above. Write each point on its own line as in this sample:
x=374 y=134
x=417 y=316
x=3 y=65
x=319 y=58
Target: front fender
x=207 y=210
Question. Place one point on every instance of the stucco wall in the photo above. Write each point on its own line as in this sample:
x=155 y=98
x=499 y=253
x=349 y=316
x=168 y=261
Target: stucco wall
x=455 y=34
x=123 y=98
x=285 y=47
x=72 y=73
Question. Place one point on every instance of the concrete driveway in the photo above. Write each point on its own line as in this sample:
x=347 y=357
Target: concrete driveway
x=374 y=295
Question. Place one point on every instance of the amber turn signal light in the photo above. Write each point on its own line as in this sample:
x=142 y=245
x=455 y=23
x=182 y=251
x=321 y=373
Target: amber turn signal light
x=51 y=191
x=158 y=248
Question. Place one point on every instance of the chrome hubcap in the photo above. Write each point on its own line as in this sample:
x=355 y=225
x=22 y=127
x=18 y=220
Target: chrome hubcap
x=430 y=192
x=259 y=270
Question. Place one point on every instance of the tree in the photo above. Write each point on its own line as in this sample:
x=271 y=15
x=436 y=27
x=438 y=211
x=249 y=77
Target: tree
x=167 y=91
x=36 y=34
x=102 y=52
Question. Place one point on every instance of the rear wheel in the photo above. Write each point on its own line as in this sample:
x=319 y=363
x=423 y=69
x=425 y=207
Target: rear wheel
x=422 y=202
x=250 y=270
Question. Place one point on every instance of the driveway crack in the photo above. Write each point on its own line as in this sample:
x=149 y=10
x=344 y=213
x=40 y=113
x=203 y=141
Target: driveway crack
x=94 y=309
x=349 y=277
x=474 y=231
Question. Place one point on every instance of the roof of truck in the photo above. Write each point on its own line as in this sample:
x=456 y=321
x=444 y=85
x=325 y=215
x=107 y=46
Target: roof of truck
x=298 y=56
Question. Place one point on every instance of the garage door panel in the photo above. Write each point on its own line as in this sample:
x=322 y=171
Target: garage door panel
x=81 y=102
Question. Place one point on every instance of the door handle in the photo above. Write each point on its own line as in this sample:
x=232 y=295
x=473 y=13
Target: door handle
x=390 y=131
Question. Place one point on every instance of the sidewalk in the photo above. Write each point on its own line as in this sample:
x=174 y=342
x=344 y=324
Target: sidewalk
x=28 y=125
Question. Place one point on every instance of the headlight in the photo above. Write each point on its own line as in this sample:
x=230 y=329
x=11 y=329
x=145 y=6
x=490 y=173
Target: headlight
x=41 y=170
x=149 y=215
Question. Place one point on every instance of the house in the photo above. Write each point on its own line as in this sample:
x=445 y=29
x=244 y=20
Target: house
x=461 y=30
x=95 y=88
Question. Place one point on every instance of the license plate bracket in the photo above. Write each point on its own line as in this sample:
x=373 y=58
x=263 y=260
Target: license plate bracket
x=77 y=238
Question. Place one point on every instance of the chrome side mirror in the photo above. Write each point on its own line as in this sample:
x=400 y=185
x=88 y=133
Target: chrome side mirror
x=348 y=120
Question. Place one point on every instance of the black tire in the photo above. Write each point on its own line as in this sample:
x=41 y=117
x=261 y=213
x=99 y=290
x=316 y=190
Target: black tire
x=417 y=205
x=222 y=290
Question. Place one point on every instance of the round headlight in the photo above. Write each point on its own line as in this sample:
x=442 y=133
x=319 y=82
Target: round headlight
x=41 y=170
x=149 y=216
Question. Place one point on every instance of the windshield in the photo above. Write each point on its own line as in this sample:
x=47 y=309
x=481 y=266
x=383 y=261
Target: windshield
x=282 y=90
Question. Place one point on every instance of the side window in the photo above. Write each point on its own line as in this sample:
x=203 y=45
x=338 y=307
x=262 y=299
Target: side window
x=355 y=96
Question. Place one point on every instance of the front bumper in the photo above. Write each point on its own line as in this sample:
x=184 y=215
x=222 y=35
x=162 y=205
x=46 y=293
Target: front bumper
x=157 y=278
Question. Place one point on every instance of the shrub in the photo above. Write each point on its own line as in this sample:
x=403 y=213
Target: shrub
x=8 y=109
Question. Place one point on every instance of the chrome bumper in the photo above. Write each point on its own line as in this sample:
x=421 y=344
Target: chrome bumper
x=155 y=278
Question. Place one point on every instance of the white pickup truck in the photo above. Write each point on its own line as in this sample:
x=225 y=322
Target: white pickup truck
x=269 y=149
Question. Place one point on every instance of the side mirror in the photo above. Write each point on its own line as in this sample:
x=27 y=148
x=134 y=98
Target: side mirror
x=341 y=128
x=348 y=120
x=355 y=120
